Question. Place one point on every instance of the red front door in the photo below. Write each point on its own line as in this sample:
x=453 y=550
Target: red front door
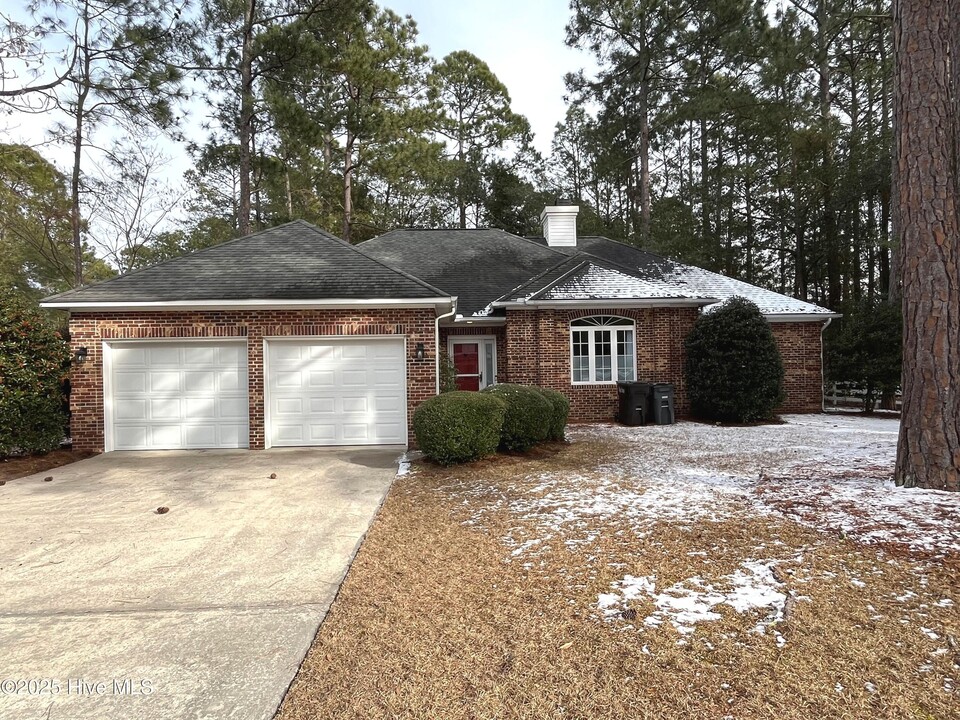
x=466 y=360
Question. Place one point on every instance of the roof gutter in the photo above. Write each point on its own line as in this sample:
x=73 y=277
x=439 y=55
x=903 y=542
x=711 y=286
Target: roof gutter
x=801 y=317
x=333 y=303
x=608 y=303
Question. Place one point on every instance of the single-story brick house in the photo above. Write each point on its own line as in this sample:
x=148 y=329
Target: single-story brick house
x=292 y=337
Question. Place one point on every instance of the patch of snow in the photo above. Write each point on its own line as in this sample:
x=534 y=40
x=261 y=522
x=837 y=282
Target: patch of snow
x=929 y=633
x=691 y=601
x=404 y=463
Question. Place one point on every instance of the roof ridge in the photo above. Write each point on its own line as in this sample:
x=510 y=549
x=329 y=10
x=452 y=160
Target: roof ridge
x=533 y=278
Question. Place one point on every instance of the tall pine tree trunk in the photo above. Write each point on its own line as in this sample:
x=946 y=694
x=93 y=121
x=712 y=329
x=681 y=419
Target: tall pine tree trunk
x=927 y=207
x=246 y=115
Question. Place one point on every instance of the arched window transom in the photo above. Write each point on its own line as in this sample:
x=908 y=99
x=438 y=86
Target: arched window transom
x=602 y=349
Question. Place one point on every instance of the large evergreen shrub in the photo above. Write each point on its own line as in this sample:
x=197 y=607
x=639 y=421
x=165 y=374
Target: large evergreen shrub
x=528 y=417
x=34 y=362
x=734 y=370
x=458 y=426
x=560 y=411
x=865 y=350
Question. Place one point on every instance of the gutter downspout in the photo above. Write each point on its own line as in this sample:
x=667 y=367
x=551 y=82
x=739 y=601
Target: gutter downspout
x=823 y=399
x=437 y=340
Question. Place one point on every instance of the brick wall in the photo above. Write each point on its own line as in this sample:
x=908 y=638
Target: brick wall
x=799 y=344
x=90 y=329
x=538 y=347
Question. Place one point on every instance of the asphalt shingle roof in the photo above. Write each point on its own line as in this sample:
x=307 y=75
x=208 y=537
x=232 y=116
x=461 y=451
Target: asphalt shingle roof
x=478 y=266
x=485 y=266
x=295 y=261
x=709 y=284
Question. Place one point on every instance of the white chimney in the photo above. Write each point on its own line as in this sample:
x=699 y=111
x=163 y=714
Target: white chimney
x=560 y=225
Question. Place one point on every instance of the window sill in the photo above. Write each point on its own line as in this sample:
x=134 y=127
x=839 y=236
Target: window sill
x=576 y=383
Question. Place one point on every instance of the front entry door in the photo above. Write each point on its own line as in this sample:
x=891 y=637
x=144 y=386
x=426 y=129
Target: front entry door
x=475 y=360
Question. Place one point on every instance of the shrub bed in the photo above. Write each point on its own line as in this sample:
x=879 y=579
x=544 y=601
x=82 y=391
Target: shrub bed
x=527 y=420
x=459 y=426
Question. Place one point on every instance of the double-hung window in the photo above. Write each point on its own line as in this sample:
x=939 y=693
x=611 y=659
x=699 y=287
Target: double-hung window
x=602 y=349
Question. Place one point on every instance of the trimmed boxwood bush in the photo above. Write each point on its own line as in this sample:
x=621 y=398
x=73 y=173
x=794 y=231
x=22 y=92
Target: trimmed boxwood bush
x=734 y=370
x=528 y=416
x=34 y=362
x=459 y=426
x=560 y=406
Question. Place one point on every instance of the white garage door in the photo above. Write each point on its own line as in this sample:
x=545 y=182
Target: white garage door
x=168 y=395
x=337 y=392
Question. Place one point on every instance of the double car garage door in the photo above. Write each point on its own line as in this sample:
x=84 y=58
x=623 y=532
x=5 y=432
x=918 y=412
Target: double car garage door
x=194 y=394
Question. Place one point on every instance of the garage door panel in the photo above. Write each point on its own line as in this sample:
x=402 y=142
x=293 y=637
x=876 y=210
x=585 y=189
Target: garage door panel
x=131 y=357
x=289 y=406
x=352 y=391
x=320 y=379
x=164 y=355
x=169 y=436
x=130 y=409
x=164 y=381
x=388 y=404
x=388 y=378
x=355 y=378
x=202 y=381
x=232 y=408
x=165 y=408
x=322 y=433
x=322 y=405
x=354 y=405
x=200 y=436
x=288 y=380
x=129 y=382
x=231 y=380
x=135 y=436
x=169 y=394
x=200 y=409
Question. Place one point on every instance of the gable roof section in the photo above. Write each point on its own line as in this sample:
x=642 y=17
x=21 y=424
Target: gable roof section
x=586 y=278
x=478 y=266
x=292 y=262
x=697 y=281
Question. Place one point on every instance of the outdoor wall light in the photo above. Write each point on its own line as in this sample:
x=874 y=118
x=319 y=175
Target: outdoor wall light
x=80 y=355
x=420 y=353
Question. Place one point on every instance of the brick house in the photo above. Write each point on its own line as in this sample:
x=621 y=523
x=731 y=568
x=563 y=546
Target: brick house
x=292 y=337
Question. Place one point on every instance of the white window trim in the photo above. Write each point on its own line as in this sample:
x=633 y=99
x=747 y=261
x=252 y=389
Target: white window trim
x=591 y=348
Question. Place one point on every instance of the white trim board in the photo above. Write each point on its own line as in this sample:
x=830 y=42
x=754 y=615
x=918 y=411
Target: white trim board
x=413 y=303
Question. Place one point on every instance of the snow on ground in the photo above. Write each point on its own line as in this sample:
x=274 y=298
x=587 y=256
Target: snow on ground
x=829 y=472
x=693 y=600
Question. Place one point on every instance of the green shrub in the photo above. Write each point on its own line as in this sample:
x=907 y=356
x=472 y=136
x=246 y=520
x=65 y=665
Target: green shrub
x=528 y=415
x=864 y=350
x=458 y=426
x=734 y=371
x=560 y=406
x=34 y=362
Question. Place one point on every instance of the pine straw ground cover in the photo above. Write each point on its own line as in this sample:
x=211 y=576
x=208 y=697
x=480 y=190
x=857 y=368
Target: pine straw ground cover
x=677 y=572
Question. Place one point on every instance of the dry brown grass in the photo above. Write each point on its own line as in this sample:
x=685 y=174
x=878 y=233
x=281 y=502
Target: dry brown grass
x=435 y=620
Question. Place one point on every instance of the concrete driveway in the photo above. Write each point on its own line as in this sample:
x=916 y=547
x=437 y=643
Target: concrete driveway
x=110 y=610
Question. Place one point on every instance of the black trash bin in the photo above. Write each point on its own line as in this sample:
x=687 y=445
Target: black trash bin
x=661 y=404
x=634 y=402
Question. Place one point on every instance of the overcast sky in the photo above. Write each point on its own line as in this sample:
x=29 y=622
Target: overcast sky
x=521 y=40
